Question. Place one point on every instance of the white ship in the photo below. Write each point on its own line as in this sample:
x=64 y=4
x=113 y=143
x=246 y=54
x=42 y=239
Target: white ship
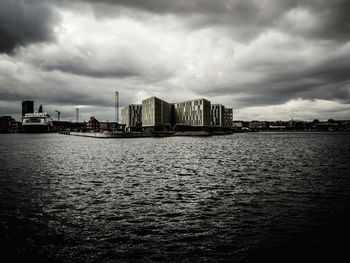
x=37 y=122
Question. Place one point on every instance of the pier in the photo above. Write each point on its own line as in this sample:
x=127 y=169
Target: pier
x=121 y=135
x=108 y=134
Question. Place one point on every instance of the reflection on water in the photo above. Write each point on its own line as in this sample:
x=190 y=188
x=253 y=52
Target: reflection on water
x=242 y=197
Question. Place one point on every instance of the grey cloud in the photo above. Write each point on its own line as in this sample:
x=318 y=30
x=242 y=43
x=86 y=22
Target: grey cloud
x=54 y=94
x=56 y=90
x=64 y=100
x=128 y=67
x=333 y=17
x=197 y=13
x=25 y=21
x=246 y=19
x=93 y=78
x=109 y=61
x=78 y=67
x=239 y=8
x=328 y=80
x=169 y=6
x=291 y=87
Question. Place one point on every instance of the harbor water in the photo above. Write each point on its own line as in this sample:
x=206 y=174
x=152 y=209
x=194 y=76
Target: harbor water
x=247 y=197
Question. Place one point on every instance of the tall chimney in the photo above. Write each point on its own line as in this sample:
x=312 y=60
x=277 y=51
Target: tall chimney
x=27 y=107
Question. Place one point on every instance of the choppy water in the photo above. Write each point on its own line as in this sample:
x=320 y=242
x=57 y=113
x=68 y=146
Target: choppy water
x=242 y=197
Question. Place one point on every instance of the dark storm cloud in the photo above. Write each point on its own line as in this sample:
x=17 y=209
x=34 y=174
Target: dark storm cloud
x=23 y=22
x=320 y=75
x=246 y=52
x=55 y=90
x=249 y=18
x=328 y=80
x=308 y=85
x=81 y=69
x=198 y=13
x=116 y=65
x=333 y=17
x=50 y=91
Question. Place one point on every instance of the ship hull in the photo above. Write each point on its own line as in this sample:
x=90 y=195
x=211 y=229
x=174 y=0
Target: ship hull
x=36 y=129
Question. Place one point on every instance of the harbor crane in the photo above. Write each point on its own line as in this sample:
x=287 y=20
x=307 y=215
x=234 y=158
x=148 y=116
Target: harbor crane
x=58 y=115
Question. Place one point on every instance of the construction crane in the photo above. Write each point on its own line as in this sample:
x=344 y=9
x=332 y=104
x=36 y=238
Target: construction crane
x=58 y=115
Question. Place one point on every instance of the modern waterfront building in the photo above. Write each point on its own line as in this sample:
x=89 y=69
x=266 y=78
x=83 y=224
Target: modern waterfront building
x=132 y=116
x=156 y=114
x=228 y=117
x=221 y=116
x=192 y=113
x=217 y=115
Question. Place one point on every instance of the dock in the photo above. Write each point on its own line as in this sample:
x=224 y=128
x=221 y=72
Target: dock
x=108 y=134
x=121 y=135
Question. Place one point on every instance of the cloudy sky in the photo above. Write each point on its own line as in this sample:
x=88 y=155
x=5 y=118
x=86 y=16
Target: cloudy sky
x=268 y=59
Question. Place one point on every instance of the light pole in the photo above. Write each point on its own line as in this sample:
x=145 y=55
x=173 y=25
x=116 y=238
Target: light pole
x=58 y=115
x=77 y=114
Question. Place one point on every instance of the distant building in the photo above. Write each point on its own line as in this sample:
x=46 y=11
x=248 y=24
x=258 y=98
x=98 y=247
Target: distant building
x=132 y=116
x=297 y=124
x=257 y=125
x=217 y=115
x=92 y=124
x=68 y=125
x=237 y=125
x=156 y=114
x=192 y=113
x=111 y=126
x=327 y=126
x=253 y=125
x=5 y=122
x=15 y=126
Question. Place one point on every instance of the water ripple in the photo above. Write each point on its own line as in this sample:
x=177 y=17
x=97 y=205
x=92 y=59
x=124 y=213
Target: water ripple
x=245 y=197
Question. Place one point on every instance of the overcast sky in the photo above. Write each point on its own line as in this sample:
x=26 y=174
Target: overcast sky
x=267 y=59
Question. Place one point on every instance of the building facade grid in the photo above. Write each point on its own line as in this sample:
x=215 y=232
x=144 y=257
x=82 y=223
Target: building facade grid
x=132 y=115
x=217 y=112
x=193 y=113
